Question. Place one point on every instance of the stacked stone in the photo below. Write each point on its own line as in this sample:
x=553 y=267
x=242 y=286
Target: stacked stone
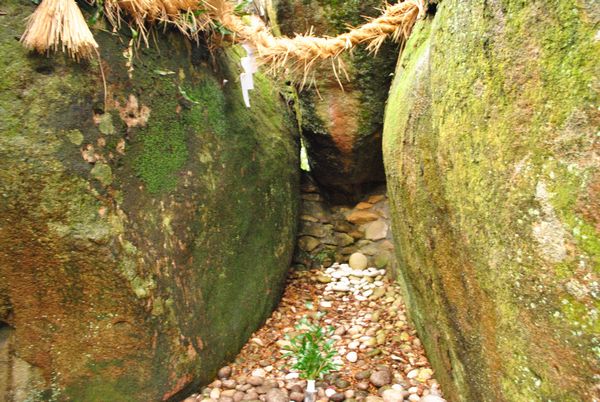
x=333 y=233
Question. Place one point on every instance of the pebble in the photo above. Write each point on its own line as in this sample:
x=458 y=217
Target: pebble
x=358 y=261
x=392 y=395
x=362 y=375
x=341 y=383
x=215 y=384
x=424 y=374
x=230 y=384
x=276 y=395
x=339 y=331
x=224 y=372
x=352 y=357
x=337 y=397
x=380 y=378
x=255 y=380
x=432 y=398
x=297 y=396
x=363 y=386
x=215 y=393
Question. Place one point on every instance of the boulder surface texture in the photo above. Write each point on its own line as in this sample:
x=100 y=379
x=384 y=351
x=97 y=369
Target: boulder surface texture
x=140 y=244
x=342 y=127
x=491 y=154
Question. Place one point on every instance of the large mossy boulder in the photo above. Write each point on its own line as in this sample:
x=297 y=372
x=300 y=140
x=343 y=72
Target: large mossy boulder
x=491 y=153
x=141 y=243
x=341 y=127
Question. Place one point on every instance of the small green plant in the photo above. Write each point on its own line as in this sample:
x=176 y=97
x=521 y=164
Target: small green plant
x=313 y=350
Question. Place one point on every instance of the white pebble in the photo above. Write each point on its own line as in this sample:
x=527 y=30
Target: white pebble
x=330 y=392
x=352 y=357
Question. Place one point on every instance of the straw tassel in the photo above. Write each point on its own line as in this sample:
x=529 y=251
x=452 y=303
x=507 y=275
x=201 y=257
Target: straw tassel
x=59 y=24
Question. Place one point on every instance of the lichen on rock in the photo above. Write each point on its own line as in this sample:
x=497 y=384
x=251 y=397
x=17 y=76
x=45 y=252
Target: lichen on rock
x=490 y=156
x=130 y=235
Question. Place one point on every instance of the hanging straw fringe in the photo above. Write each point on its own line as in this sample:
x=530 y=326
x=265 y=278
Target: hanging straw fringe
x=59 y=23
x=302 y=52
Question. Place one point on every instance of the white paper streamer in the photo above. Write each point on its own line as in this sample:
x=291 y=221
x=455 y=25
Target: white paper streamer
x=249 y=65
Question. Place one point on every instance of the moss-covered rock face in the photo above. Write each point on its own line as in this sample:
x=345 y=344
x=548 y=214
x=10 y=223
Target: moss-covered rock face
x=342 y=127
x=490 y=148
x=140 y=244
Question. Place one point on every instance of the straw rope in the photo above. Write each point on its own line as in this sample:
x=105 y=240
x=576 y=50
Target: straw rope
x=59 y=24
x=300 y=53
x=303 y=51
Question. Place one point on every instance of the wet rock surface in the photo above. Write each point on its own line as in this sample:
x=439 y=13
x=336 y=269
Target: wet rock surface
x=379 y=355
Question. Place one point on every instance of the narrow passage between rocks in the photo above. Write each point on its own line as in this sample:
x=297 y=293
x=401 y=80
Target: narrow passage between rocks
x=380 y=357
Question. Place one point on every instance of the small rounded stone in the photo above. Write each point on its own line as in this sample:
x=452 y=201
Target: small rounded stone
x=224 y=372
x=358 y=261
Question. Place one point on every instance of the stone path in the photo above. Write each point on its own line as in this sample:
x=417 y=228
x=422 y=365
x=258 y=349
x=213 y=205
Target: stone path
x=381 y=358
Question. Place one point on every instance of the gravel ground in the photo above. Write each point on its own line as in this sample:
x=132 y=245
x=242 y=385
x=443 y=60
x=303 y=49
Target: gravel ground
x=379 y=355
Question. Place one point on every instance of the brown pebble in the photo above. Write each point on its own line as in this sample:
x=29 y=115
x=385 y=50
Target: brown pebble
x=271 y=384
x=337 y=397
x=215 y=384
x=229 y=384
x=224 y=372
x=255 y=381
x=262 y=389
